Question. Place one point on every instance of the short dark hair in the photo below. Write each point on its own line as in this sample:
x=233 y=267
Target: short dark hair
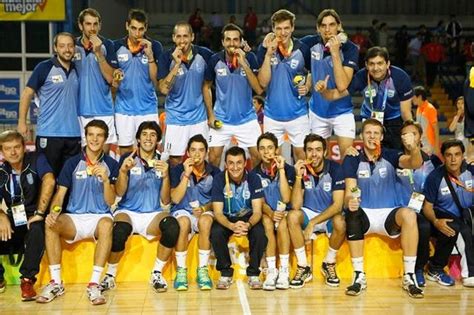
x=420 y=91
x=452 y=143
x=9 y=135
x=232 y=27
x=411 y=122
x=137 y=15
x=268 y=136
x=197 y=138
x=89 y=11
x=235 y=151
x=377 y=51
x=259 y=99
x=98 y=124
x=328 y=12
x=283 y=15
x=67 y=34
x=150 y=124
x=314 y=137
x=373 y=122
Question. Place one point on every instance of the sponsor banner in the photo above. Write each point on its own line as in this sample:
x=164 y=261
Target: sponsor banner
x=32 y=10
x=9 y=89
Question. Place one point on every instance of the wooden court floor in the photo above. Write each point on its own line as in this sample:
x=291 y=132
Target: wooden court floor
x=382 y=297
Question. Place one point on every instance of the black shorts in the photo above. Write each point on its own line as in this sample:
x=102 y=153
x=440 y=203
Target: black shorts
x=58 y=150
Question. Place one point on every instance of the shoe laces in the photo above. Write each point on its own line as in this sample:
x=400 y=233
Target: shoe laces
x=331 y=269
x=299 y=272
x=181 y=275
x=203 y=273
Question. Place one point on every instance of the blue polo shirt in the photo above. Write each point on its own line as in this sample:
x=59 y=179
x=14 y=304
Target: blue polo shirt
x=271 y=185
x=136 y=93
x=377 y=181
x=86 y=192
x=57 y=91
x=144 y=188
x=233 y=105
x=437 y=191
x=184 y=103
x=197 y=190
x=386 y=95
x=282 y=102
x=239 y=202
x=321 y=66
x=95 y=97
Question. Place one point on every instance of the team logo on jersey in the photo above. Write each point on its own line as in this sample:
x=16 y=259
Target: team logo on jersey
x=122 y=57
x=294 y=63
x=81 y=174
x=383 y=172
x=180 y=72
x=274 y=61
x=144 y=59
x=265 y=182
x=221 y=72
x=363 y=174
x=246 y=194
x=367 y=93
x=327 y=186
x=468 y=183
x=445 y=191
x=77 y=56
x=390 y=93
x=43 y=142
x=29 y=178
x=242 y=73
x=57 y=78
x=316 y=55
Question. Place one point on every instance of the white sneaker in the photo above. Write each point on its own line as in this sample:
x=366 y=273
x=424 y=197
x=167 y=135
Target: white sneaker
x=94 y=292
x=270 y=280
x=468 y=282
x=283 y=282
x=108 y=283
x=51 y=291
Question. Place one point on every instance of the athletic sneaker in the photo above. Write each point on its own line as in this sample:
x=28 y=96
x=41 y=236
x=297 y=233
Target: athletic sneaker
x=468 y=282
x=329 y=272
x=203 y=279
x=50 y=292
x=28 y=292
x=439 y=276
x=359 y=283
x=420 y=277
x=303 y=275
x=108 y=283
x=283 y=282
x=94 y=292
x=411 y=286
x=158 y=282
x=270 y=279
x=255 y=283
x=224 y=283
x=3 y=285
x=181 y=279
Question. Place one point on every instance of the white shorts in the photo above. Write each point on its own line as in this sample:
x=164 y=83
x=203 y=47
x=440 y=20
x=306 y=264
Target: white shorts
x=246 y=134
x=85 y=225
x=127 y=126
x=323 y=227
x=297 y=129
x=109 y=120
x=343 y=125
x=140 y=221
x=176 y=138
x=377 y=219
x=192 y=218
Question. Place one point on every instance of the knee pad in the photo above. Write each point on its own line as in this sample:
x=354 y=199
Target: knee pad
x=169 y=228
x=354 y=227
x=120 y=234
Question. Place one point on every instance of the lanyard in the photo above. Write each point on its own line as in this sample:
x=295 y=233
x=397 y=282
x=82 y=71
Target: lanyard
x=13 y=181
x=385 y=92
x=285 y=52
x=271 y=170
x=134 y=49
x=187 y=58
x=89 y=162
x=199 y=175
x=228 y=190
x=453 y=179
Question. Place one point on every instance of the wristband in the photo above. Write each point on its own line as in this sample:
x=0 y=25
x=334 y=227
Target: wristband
x=151 y=61
x=41 y=214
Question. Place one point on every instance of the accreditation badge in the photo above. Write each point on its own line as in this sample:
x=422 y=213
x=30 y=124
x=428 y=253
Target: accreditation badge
x=379 y=115
x=416 y=202
x=19 y=214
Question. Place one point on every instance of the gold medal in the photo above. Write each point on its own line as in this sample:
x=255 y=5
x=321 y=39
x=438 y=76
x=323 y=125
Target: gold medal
x=89 y=170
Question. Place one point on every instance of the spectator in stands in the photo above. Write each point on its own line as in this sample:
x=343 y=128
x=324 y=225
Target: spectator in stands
x=373 y=33
x=433 y=53
x=216 y=22
x=454 y=29
x=196 y=22
x=416 y=59
x=427 y=116
x=250 y=27
x=259 y=103
x=401 y=46
x=468 y=92
x=362 y=42
x=457 y=124
x=440 y=29
x=382 y=35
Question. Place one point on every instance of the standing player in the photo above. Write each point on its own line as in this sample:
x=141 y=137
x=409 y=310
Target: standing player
x=191 y=184
x=95 y=60
x=338 y=60
x=317 y=200
x=55 y=83
x=143 y=184
x=233 y=71
x=136 y=99
x=181 y=77
x=284 y=61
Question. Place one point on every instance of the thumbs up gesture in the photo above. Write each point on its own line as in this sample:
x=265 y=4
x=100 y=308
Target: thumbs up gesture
x=321 y=85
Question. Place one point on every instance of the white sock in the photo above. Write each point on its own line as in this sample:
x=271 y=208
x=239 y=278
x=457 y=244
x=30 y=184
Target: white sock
x=331 y=256
x=284 y=260
x=112 y=269
x=271 y=262
x=96 y=273
x=409 y=264
x=181 y=259
x=204 y=257
x=301 y=256
x=55 y=271
x=358 y=264
x=159 y=265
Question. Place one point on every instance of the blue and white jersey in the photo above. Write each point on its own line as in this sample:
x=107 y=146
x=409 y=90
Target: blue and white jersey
x=409 y=181
x=233 y=105
x=271 y=186
x=318 y=189
x=321 y=66
x=199 y=191
x=385 y=95
x=136 y=93
x=86 y=191
x=377 y=181
x=144 y=188
x=95 y=97
x=184 y=104
x=437 y=191
x=237 y=198
x=57 y=96
x=282 y=102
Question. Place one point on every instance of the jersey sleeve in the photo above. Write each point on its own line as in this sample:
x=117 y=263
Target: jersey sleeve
x=39 y=75
x=175 y=175
x=252 y=60
x=431 y=186
x=42 y=166
x=67 y=172
x=357 y=84
x=337 y=177
x=111 y=56
x=392 y=156
x=404 y=87
x=351 y=56
x=217 y=188
x=255 y=186
x=164 y=61
x=210 y=75
x=350 y=166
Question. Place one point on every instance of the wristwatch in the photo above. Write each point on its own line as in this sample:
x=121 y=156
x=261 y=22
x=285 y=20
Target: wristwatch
x=41 y=214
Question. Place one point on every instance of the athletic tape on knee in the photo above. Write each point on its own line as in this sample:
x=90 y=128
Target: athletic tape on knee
x=120 y=234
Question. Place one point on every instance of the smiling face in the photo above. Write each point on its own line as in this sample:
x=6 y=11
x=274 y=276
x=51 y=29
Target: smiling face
x=231 y=41
x=372 y=136
x=95 y=138
x=235 y=165
x=13 y=151
x=148 y=141
x=283 y=31
x=183 y=37
x=267 y=150
x=315 y=153
x=377 y=67
x=64 y=48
